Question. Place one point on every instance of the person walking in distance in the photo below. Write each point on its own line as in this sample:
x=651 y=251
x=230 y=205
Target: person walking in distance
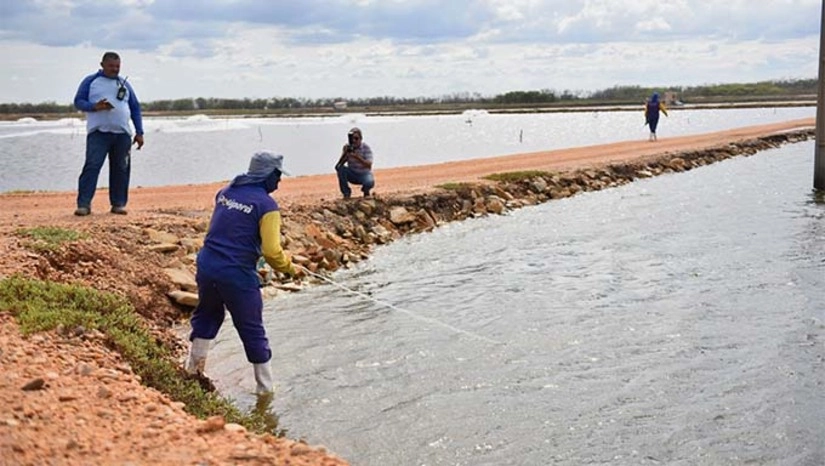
x=652 y=109
x=246 y=223
x=355 y=165
x=109 y=102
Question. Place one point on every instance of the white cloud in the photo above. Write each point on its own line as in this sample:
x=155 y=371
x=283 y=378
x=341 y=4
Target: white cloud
x=653 y=25
x=361 y=48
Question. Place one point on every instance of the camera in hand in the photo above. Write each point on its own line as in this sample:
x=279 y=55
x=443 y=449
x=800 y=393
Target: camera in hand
x=350 y=148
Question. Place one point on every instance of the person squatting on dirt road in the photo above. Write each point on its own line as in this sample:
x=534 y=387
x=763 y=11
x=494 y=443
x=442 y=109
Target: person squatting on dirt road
x=246 y=223
x=109 y=103
x=652 y=109
x=355 y=165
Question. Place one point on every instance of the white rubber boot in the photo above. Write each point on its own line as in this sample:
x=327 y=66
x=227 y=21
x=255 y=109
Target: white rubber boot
x=263 y=378
x=196 y=362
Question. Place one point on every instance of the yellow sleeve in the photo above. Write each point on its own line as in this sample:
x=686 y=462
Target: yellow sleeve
x=271 y=243
x=663 y=108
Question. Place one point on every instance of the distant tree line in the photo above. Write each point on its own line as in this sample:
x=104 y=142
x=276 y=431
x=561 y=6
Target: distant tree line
x=616 y=94
x=784 y=88
x=43 y=107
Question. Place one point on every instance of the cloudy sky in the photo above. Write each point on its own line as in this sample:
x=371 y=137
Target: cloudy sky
x=406 y=48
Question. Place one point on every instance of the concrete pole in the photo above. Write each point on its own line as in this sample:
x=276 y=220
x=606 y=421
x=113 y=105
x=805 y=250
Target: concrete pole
x=819 y=156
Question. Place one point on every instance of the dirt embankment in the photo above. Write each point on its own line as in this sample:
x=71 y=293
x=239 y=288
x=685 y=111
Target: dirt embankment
x=38 y=208
x=91 y=408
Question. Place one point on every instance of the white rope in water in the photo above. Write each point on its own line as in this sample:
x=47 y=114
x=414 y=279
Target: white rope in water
x=415 y=316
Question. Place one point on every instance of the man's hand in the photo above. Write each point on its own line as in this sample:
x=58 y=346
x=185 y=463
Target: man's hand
x=345 y=153
x=138 y=140
x=361 y=160
x=299 y=272
x=103 y=104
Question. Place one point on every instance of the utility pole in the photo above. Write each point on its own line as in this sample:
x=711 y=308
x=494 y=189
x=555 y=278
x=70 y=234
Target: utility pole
x=819 y=155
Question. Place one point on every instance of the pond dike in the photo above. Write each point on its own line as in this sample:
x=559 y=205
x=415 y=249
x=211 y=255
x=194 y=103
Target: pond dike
x=326 y=237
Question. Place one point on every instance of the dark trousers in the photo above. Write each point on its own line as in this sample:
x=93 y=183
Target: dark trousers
x=653 y=122
x=99 y=145
x=346 y=175
x=236 y=291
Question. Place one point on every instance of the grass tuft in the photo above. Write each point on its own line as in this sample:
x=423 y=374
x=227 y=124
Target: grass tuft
x=454 y=186
x=48 y=239
x=17 y=192
x=42 y=305
x=516 y=176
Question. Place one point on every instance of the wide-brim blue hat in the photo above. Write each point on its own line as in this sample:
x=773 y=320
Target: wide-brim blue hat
x=261 y=165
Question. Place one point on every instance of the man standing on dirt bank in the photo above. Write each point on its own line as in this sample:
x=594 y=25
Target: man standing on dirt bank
x=246 y=223
x=109 y=103
x=355 y=165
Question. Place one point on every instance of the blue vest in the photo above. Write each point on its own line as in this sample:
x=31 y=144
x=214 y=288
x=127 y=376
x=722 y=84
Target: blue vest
x=234 y=237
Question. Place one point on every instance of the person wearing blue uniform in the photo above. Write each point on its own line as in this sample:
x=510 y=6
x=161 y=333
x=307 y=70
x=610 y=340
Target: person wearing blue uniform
x=652 y=109
x=246 y=224
x=109 y=102
x=355 y=165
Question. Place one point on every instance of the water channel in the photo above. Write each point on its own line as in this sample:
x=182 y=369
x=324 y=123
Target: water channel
x=676 y=320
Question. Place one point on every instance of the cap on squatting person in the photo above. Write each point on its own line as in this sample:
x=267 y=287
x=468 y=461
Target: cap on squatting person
x=246 y=223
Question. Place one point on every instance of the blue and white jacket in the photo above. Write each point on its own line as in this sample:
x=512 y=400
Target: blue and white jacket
x=99 y=86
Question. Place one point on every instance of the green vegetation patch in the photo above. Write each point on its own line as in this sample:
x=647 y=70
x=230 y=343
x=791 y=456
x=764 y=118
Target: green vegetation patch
x=43 y=305
x=17 y=192
x=455 y=186
x=43 y=239
x=511 y=177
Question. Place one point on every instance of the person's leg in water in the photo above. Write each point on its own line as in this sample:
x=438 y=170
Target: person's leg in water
x=206 y=320
x=246 y=307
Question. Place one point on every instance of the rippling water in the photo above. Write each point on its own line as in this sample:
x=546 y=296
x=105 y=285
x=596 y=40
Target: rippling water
x=49 y=155
x=676 y=320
